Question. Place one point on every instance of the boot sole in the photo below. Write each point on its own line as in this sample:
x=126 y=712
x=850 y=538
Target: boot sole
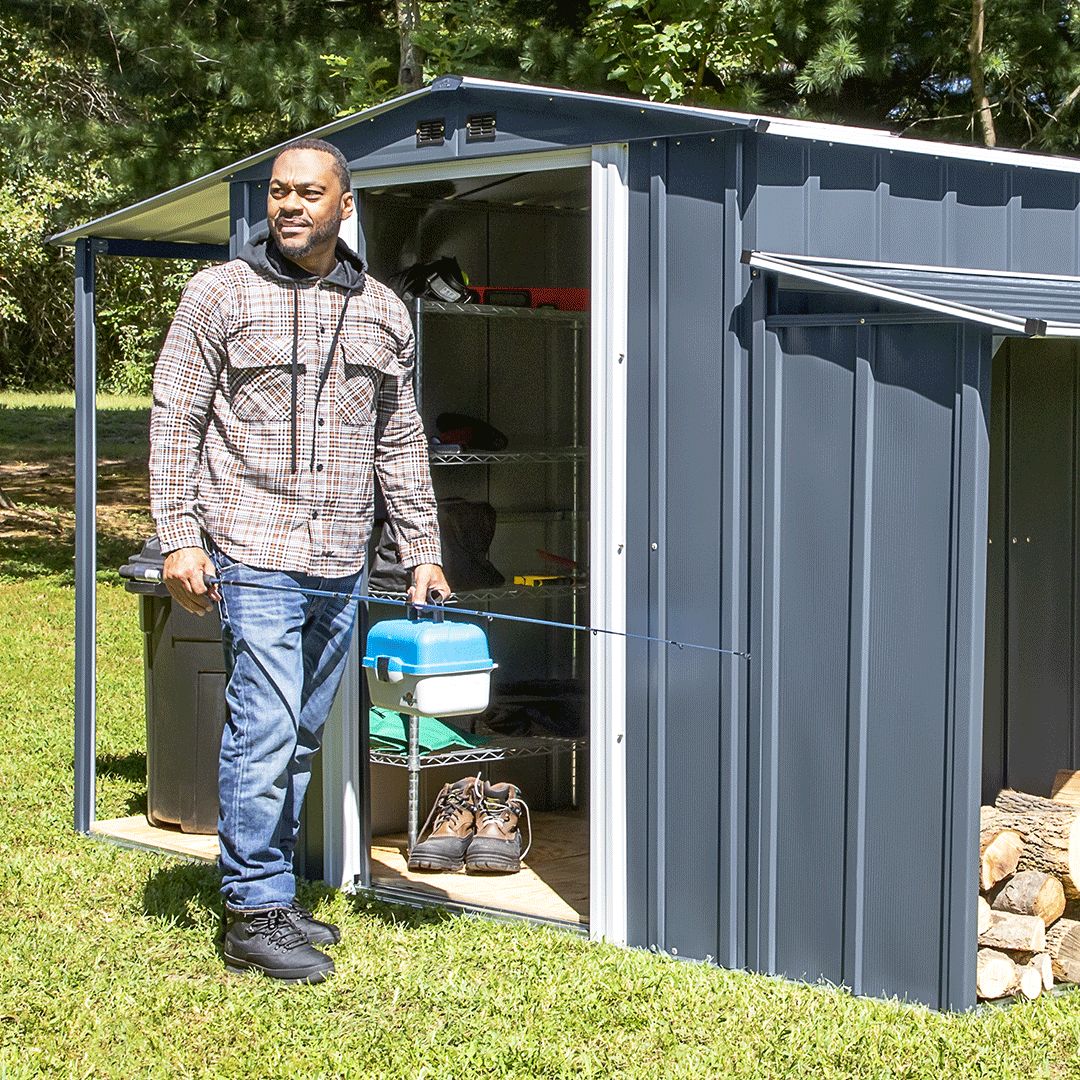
x=492 y=864
x=311 y=976
x=432 y=862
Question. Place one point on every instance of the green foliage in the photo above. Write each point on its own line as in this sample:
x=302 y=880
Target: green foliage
x=684 y=50
x=903 y=64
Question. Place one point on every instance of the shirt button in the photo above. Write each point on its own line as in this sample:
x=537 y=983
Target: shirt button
x=314 y=514
x=318 y=468
x=322 y=420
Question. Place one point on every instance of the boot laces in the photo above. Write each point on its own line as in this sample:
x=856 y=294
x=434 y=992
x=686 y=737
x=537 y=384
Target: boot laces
x=494 y=810
x=278 y=928
x=451 y=802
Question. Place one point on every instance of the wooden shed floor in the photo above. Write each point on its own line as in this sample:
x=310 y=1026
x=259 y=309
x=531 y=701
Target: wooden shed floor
x=553 y=883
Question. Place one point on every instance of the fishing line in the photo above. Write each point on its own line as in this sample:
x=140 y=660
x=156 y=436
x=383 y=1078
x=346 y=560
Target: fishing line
x=142 y=573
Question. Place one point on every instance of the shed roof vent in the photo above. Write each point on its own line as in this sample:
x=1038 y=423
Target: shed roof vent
x=430 y=132
x=480 y=128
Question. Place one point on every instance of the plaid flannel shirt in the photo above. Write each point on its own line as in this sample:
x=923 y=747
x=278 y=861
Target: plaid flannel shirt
x=222 y=427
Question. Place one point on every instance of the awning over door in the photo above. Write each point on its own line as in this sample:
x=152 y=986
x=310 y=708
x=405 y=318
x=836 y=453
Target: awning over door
x=1023 y=305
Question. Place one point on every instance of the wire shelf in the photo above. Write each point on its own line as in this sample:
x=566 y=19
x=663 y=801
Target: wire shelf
x=492 y=311
x=554 y=591
x=510 y=457
x=499 y=749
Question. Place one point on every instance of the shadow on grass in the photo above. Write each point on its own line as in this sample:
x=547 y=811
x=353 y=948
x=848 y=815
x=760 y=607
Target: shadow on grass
x=30 y=556
x=399 y=914
x=183 y=894
x=123 y=766
x=130 y=768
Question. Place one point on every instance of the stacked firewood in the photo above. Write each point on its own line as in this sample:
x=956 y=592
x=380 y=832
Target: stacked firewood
x=1029 y=884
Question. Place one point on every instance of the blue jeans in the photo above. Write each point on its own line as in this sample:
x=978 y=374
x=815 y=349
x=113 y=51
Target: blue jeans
x=284 y=656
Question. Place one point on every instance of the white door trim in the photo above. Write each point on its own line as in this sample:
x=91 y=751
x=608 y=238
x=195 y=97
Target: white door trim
x=607 y=560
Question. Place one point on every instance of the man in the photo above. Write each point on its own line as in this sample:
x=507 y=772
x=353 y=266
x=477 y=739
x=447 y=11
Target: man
x=284 y=386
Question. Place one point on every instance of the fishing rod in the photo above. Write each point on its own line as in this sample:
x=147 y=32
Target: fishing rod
x=133 y=572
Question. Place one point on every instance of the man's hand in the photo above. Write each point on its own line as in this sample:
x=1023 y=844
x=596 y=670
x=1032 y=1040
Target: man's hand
x=183 y=577
x=427 y=578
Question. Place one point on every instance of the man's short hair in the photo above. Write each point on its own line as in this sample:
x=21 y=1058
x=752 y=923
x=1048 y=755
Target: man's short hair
x=341 y=164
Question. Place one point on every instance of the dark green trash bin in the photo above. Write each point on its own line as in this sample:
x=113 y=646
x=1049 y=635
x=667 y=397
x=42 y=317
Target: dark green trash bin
x=185 y=705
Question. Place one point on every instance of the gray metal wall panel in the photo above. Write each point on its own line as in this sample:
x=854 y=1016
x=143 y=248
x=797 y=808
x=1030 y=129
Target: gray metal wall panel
x=845 y=217
x=979 y=220
x=913 y=209
x=909 y=653
x=874 y=203
x=1045 y=228
x=878 y=704
x=818 y=389
x=690 y=544
x=640 y=822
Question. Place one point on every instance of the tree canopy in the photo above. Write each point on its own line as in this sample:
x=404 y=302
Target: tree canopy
x=106 y=101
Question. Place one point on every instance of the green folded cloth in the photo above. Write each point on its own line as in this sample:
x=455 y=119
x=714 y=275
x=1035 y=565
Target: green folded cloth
x=389 y=732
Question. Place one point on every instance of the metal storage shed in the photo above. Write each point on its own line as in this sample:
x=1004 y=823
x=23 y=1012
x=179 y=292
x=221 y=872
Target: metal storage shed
x=817 y=357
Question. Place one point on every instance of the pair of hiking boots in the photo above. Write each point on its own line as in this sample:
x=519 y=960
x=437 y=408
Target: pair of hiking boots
x=475 y=826
x=278 y=941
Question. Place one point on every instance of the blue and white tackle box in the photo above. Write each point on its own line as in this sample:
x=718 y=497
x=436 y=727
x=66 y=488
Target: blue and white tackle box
x=427 y=666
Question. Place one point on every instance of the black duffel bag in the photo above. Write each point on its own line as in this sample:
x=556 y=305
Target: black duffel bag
x=467 y=529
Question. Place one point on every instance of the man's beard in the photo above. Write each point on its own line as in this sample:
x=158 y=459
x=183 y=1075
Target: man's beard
x=295 y=249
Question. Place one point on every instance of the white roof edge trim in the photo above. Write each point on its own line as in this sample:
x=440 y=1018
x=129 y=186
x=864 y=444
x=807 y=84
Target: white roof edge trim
x=965 y=271
x=837 y=133
x=813 y=130
x=1012 y=323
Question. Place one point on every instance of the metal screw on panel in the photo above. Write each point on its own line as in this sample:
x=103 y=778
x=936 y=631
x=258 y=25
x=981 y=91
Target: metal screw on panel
x=655 y=546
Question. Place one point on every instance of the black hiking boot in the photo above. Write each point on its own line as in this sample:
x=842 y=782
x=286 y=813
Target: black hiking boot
x=315 y=930
x=496 y=847
x=271 y=941
x=452 y=833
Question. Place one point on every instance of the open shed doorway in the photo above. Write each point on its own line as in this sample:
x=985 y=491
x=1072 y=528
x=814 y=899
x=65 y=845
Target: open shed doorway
x=1032 y=694
x=503 y=382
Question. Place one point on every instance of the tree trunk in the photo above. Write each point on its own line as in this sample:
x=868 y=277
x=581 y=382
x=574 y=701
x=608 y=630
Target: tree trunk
x=978 y=80
x=411 y=64
x=1051 y=832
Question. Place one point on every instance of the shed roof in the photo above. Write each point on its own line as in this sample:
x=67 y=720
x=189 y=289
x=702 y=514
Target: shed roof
x=198 y=211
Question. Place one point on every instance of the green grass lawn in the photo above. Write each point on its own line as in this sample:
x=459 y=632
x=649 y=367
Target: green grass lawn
x=109 y=965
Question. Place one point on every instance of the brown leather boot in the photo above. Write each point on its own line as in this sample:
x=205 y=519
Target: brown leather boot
x=497 y=843
x=452 y=833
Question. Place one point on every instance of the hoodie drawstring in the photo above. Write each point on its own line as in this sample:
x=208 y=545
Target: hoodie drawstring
x=295 y=364
x=324 y=375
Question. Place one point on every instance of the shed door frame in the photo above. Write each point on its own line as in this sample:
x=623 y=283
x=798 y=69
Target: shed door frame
x=346 y=831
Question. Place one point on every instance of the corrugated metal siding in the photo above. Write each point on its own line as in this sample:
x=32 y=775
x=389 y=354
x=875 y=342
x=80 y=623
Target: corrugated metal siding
x=850 y=202
x=686 y=734
x=865 y=542
x=816 y=491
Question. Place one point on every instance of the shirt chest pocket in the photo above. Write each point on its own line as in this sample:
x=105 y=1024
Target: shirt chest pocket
x=365 y=364
x=260 y=378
